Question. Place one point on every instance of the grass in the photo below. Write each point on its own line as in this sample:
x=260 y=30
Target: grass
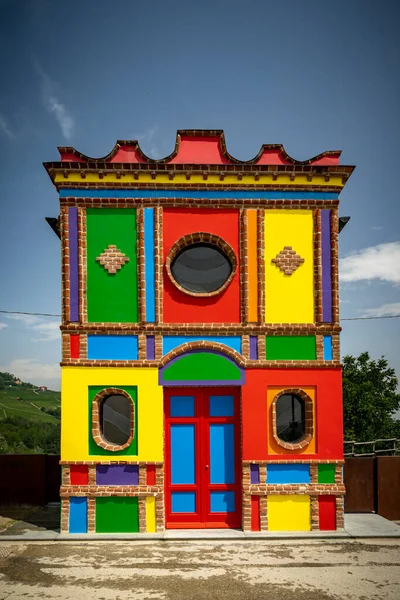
x=30 y=405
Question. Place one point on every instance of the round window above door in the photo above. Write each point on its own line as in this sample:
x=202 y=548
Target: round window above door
x=201 y=264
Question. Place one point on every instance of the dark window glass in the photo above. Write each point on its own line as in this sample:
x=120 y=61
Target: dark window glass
x=115 y=419
x=290 y=418
x=201 y=268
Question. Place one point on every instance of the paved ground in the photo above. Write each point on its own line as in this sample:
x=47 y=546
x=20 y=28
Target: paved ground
x=180 y=570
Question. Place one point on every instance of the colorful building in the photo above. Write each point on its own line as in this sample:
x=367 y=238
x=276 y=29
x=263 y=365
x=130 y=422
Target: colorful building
x=201 y=377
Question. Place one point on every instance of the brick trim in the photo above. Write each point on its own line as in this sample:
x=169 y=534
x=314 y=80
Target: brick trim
x=141 y=265
x=309 y=428
x=261 y=266
x=317 y=266
x=335 y=264
x=65 y=295
x=82 y=264
x=96 y=426
x=194 y=328
x=243 y=250
x=158 y=263
x=258 y=203
x=196 y=238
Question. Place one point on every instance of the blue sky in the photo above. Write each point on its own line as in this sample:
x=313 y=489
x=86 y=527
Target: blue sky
x=311 y=75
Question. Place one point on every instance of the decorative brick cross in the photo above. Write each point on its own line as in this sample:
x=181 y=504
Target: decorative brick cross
x=287 y=260
x=112 y=259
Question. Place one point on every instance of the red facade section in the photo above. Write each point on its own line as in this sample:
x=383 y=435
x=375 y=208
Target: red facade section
x=183 y=308
x=74 y=346
x=255 y=513
x=79 y=475
x=327 y=513
x=328 y=411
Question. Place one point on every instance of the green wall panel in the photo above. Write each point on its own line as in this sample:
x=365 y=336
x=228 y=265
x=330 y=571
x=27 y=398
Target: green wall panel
x=111 y=297
x=94 y=449
x=117 y=514
x=202 y=366
x=326 y=473
x=285 y=347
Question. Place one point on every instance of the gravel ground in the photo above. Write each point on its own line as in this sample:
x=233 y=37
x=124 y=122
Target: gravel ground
x=248 y=569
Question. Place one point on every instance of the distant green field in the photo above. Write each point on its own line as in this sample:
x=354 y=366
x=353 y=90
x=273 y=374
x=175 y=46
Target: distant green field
x=30 y=405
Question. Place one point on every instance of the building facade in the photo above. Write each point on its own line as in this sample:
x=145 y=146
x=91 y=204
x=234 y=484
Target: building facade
x=201 y=376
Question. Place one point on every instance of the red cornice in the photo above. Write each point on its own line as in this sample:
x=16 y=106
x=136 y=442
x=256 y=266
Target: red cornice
x=198 y=146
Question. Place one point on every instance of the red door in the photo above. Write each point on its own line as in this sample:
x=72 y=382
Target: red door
x=202 y=458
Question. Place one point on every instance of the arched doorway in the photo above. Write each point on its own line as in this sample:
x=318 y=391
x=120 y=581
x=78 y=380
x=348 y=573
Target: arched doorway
x=202 y=440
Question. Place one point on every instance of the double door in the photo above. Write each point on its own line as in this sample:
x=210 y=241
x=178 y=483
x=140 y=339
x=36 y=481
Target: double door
x=202 y=457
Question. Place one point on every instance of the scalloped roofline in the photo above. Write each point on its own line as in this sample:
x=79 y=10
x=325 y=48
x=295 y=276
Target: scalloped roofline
x=188 y=145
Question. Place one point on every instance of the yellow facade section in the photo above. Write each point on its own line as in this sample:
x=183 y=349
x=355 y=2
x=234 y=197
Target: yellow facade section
x=267 y=179
x=289 y=513
x=273 y=447
x=75 y=382
x=289 y=298
x=151 y=514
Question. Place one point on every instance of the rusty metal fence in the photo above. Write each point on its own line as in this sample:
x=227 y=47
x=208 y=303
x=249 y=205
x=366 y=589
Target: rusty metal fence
x=372 y=482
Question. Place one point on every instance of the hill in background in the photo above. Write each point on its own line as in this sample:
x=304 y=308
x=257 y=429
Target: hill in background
x=29 y=417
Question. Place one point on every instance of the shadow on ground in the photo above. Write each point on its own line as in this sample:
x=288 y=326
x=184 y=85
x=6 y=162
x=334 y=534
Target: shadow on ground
x=19 y=520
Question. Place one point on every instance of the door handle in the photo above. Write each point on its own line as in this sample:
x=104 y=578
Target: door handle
x=206 y=467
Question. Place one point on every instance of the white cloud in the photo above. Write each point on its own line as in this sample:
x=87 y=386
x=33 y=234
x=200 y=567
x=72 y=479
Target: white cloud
x=49 y=331
x=146 y=138
x=52 y=103
x=383 y=311
x=376 y=262
x=31 y=370
x=44 y=330
x=5 y=128
x=26 y=320
x=2 y=325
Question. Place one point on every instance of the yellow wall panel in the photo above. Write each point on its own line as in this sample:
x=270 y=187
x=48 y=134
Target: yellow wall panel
x=264 y=179
x=75 y=412
x=289 y=298
x=151 y=514
x=273 y=447
x=289 y=513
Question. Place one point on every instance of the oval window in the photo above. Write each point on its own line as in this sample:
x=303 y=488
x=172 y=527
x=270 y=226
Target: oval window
x=290 y=418
x=115 y=419
x=201 y=268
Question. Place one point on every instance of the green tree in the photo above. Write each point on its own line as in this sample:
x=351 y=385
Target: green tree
x=370 y=399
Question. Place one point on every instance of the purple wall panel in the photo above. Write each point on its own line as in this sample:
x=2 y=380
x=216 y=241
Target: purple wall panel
x=326 y=266
x=73 y=263
x=117 y=475
x=254 y=474
x=150 y=347
x=253 y=347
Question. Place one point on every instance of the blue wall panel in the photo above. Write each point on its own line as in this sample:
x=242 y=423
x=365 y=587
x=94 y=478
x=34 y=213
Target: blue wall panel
x=182 y=454
x=149 y=264
x=296 y=473
x=112 y=347
x=77 y=515
x=222 y=456
x=183 y=502
x=173 y=341
x=222 y=502
x=328 y=347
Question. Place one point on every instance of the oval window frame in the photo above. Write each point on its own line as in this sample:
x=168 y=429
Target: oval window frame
x=308 y=415
x=96 y=425
x=201 y=237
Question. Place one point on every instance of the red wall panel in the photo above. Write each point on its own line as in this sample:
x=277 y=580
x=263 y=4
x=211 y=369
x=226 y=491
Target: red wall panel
x=183 y=308
x=79 y=475
x=329 y=415
x=255 y=513
x=327 y=513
